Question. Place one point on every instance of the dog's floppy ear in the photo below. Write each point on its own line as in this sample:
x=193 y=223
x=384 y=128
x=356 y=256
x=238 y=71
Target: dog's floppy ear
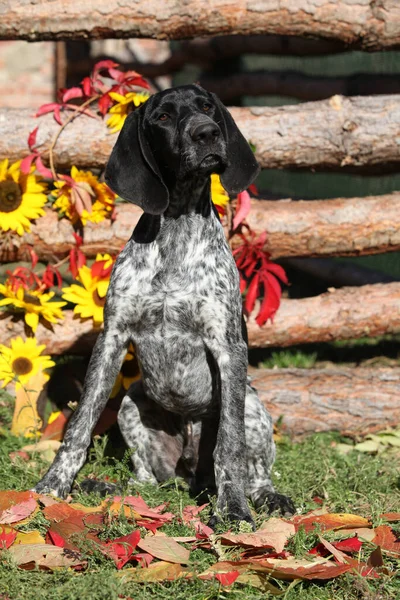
x=243 y=167
x=132 y=171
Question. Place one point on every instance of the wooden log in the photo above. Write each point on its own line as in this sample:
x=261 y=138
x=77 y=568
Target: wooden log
x=350 y=400
x=354 y=132
x=341 y=314
x=365 y=25
x=342 y=227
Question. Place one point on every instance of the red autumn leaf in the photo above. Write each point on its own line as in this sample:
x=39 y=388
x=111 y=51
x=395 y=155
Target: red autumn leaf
x=143 y=558
x=244 y=205
x=329 y=521
x=55 y=429
x=278 y=271
x=26 y=163
x=190 y=513
x=104 y=103
x=349 y=545
x=18 y=512
x=289 y=569
x=253 y=189
x=74 y=92
x=47 y=108
x=98 y=269
x=34 y=257
x=55 y=538
x=44 y=171
x=121 y=549
x=140 y=506
x=227 y=578
x=251 y=295
x=202 y=531
x=7 y=536
x=271 y=299
x=103 y=65
x=57 y=114
x=386 y=539
x=32 y=137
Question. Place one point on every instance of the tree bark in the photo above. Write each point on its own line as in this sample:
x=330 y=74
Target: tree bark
x=367 y=25
x=342 y=227
x=349 y=400
x=340 y=132
x=341 y=314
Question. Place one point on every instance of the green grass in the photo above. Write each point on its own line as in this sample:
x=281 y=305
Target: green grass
x=357 y=483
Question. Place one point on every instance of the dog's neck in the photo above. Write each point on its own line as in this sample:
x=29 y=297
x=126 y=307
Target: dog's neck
x=189 y=195
x=186 y=196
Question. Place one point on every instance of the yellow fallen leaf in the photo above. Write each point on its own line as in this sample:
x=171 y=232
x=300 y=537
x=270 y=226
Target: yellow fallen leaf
x=26 y=420
x=29 y=537
x=159 y=571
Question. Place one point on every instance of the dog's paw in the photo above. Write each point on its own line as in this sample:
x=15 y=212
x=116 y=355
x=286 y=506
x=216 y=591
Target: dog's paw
x=52 y=486
x=279 y=502
x=103 y=488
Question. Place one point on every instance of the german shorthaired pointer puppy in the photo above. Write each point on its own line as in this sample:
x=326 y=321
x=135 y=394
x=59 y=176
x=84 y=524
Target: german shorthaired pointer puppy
x=174 y=292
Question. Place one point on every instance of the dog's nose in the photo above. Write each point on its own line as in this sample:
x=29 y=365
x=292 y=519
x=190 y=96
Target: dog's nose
x=205 y=133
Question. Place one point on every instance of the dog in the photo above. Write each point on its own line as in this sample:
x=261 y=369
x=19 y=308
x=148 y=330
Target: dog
x=174 y=292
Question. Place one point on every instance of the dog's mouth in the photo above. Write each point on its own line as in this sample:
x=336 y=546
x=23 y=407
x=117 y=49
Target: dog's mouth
x=212 y=163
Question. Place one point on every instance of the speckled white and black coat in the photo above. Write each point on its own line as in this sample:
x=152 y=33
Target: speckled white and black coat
x=174 y=292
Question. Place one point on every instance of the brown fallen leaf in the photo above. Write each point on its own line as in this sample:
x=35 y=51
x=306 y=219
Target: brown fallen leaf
x=165 y=548
x=293 y=568
x=44 y=556
x=338 y=554
x=365 y=534
x=273 y=533
x=329 y=521
x=259 y=581
x=392 y=517
x=159 y=571
x=386 y=539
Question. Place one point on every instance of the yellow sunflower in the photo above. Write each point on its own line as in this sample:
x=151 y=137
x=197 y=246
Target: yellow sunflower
x=89 y=297
x=128 y=374
x=124 y=105
x=22 y=197
x=23 y=360
x=34 y=303
x=218 y=193
x=97 y=197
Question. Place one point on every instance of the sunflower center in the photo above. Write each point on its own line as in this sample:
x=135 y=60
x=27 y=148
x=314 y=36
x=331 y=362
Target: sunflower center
x=130 y=368
x=98 y=300
x=31 y=299
x=22 y=365
x=10 y=196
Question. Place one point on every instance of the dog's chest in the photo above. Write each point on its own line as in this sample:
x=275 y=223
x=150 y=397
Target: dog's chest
x=166 y=285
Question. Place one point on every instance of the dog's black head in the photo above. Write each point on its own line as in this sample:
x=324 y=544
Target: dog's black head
x=176 y=134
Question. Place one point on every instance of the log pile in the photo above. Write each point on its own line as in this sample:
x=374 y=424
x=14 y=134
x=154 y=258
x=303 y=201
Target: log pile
x=365 y=25
x=355 y=133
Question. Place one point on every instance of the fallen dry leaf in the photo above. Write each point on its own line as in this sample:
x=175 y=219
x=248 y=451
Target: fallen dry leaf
x=44 y=556
x=7 y=536
x=386 y=539
x=329 y=521
x=18 y=512
x=29 y=537
x=165 y=548
x=259 y=581
x=292 y=568
x=159 y=571
x=392 y=517
x=121 y=549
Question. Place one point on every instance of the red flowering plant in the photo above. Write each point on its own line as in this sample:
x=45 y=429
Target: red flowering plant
x=259 y=276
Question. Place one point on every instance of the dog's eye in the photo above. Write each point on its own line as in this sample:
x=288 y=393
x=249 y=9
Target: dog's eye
x=206 y=107
x=163 y=117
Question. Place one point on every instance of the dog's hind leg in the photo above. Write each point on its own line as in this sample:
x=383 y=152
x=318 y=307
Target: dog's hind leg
x=260 y=454
x=155 y=435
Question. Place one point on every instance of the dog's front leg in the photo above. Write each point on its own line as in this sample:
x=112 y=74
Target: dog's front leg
x=106 y=360
x=230 y=450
